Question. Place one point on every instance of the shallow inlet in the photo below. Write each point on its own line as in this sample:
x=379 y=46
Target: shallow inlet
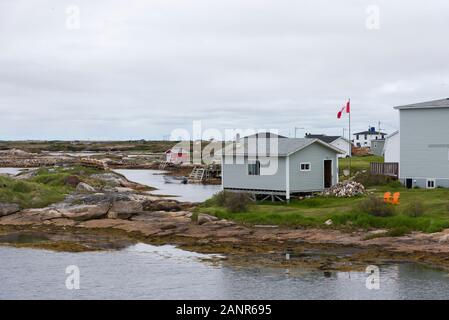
x=183 y=192
x=165 y=272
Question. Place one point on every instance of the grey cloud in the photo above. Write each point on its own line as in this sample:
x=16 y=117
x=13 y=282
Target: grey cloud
x=139 y=69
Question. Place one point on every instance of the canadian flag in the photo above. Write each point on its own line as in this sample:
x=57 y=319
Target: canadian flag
x=347 y=107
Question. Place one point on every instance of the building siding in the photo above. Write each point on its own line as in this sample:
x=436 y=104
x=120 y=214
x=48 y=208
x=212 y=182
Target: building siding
x=377 y=147
x=391 y=148
x=342 y=145
x=313 y=180
x=236 y=175
x=419 y=130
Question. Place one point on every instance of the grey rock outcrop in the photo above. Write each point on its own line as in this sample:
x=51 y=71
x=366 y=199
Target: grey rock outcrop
x=8 y=208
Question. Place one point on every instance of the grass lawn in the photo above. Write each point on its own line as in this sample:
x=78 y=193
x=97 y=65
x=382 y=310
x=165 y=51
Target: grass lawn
x=46 y=187
x=346 y=213
x=358 y=163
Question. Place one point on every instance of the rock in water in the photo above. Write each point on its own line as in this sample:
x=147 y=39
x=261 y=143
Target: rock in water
x=84 y=187
x=8 y=208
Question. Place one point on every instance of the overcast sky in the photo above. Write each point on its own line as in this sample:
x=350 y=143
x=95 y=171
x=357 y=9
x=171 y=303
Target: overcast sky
x=139 y=69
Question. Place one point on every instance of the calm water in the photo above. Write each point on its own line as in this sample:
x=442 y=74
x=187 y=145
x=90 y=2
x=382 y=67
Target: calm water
x=12 y=171
x=149 y=272
x=184 y=192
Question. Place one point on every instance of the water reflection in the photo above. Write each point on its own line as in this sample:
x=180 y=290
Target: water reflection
x=184 y=192
x=149 y=272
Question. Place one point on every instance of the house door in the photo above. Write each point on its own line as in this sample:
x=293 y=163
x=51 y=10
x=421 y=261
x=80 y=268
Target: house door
x=327 y=173
x=408 y=183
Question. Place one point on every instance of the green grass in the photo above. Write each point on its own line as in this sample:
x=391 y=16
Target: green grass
x=358 y=163
x=346 y=213
x=30 y=194
x=46 y=187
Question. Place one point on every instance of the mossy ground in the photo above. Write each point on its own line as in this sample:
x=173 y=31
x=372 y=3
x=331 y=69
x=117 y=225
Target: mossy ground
x=48 y=186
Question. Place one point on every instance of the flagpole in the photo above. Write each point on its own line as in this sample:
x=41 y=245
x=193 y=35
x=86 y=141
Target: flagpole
x=350 y=142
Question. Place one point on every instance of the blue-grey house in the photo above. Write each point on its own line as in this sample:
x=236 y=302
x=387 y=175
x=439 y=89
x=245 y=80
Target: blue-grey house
x=272 y=165
x=424 y=144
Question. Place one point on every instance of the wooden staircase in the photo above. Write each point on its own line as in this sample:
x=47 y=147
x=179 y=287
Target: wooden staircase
x=198 y=174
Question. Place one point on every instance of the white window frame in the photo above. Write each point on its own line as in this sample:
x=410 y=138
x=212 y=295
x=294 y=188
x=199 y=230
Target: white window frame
x=305 y=163
x=253 y=162
x=434 y=183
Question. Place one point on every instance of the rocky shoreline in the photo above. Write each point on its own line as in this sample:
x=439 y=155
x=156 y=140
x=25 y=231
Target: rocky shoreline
x=127 y=213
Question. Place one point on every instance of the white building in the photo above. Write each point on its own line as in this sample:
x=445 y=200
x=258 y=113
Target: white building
x=337 y=141
x=363 y=139
x=392 y=147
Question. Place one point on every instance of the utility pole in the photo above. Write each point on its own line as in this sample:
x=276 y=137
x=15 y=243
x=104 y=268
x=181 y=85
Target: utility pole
x=298 y=128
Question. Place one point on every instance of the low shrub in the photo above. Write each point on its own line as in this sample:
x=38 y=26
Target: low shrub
x=414 y=209
x=72 y=181
x=370 y=180
x=233 y=201
x=398 y=231
x=376 y=207
x=21 y=187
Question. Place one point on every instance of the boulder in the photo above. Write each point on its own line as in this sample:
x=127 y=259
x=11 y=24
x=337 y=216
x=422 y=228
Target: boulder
x=204 y=218
x=111 y=179
x=8 y=208
x=84 y=187
x=161 y=205
x=72 y=181
x=85 y=212
x=124 y=209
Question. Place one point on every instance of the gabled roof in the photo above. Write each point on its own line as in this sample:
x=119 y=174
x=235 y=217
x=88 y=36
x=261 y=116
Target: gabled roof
x=325 y=138
x=442 y=103
x=322 y=137
x=285 y=147
x=393 y=134
x=370 y=132
x=263 y=135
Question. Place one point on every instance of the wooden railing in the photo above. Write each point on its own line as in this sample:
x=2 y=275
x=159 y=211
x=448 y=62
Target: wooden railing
x=385 y=169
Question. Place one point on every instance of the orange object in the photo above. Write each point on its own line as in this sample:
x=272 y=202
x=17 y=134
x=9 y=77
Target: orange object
x=396 y=197
x=387 y=197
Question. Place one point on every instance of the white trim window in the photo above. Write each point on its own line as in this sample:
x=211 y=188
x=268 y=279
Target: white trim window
x=305 y=166
x=254 y=167
x=431 y=184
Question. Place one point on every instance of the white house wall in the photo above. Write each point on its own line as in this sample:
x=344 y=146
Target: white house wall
x=392 y=148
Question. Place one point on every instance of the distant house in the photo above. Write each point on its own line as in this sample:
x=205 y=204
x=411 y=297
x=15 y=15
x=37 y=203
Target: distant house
x=177 y=155
x=272 y=165
x=337 y=141
x=391 y=147
x=424 y=144
x=377 y=147
x=364 y=138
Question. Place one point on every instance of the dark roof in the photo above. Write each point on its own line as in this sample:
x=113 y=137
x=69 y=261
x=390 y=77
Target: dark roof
x=322 y=137
x=371 y=132
x=442 y=103
x=265 y=135
x=284 y=147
